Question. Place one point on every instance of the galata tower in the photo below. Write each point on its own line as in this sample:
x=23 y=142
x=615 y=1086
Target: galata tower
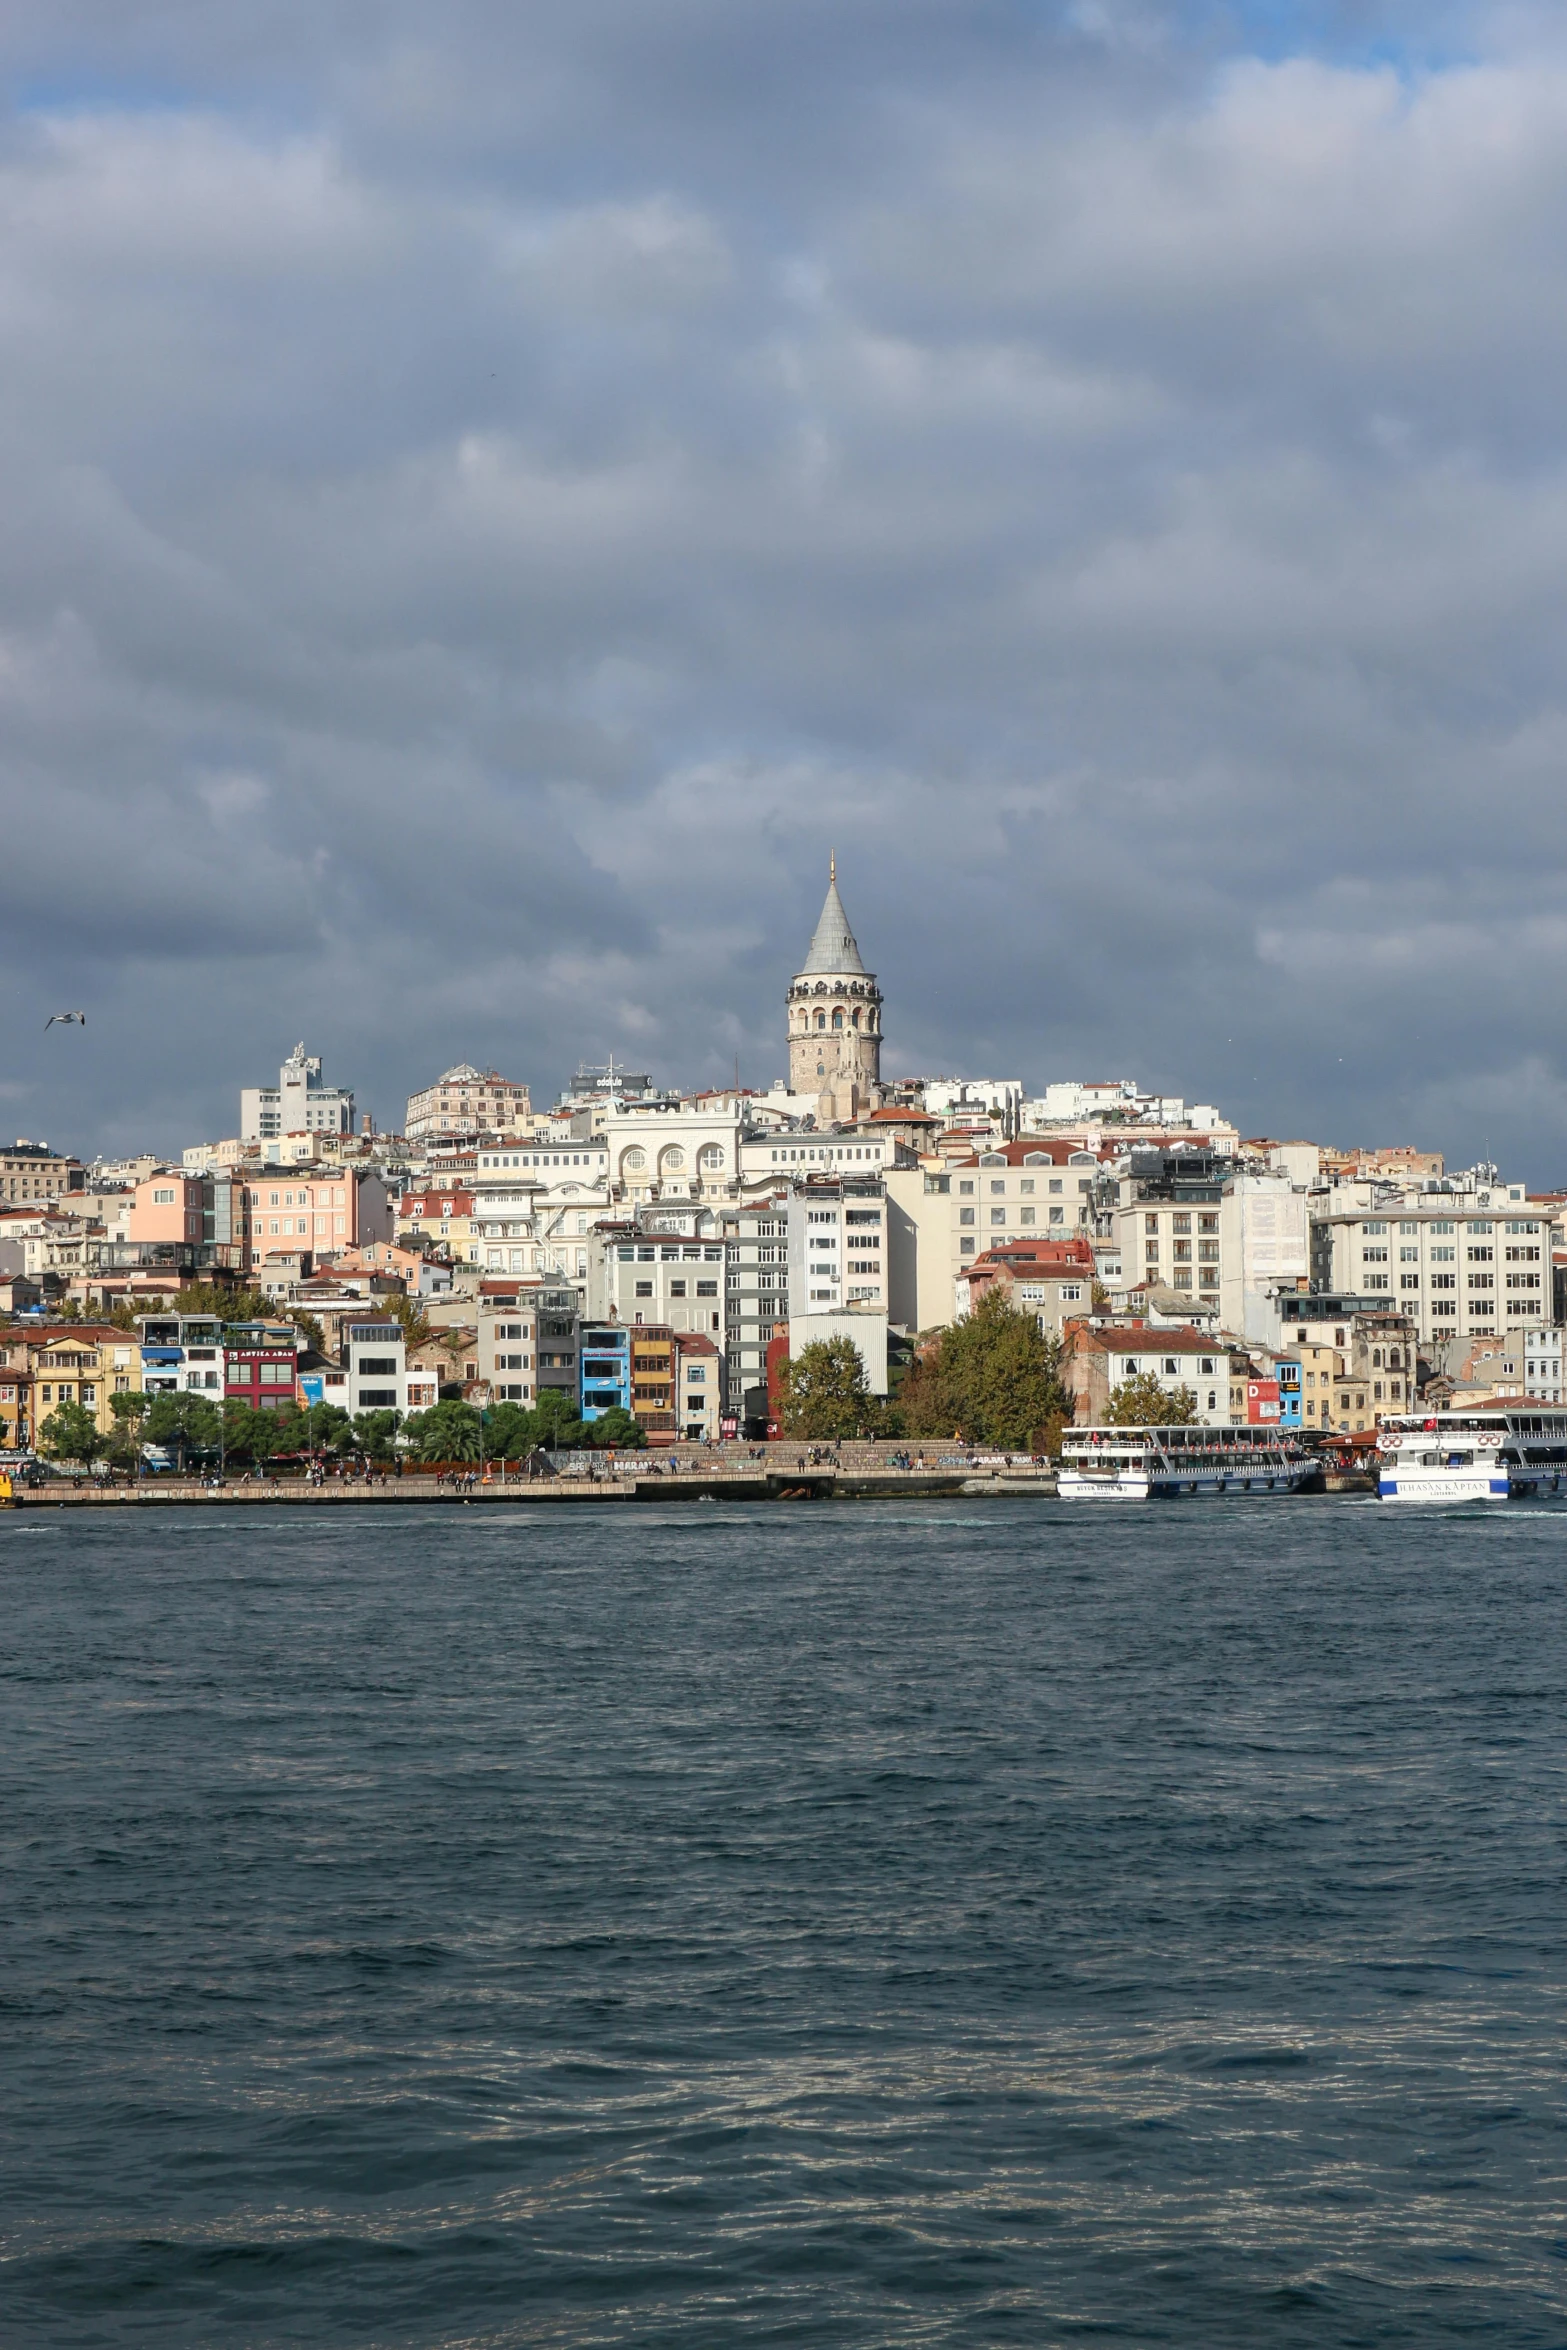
x=835 y=1020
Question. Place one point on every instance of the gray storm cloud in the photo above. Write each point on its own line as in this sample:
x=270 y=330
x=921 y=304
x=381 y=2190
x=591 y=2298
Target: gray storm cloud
x=491 y=504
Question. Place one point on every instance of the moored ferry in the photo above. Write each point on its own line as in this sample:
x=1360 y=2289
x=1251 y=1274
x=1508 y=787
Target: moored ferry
x=1514 y=1450
x=1170 y=1464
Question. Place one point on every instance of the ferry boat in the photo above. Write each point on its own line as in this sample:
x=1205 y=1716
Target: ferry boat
x=1512 y=1451
x=1169 y=1464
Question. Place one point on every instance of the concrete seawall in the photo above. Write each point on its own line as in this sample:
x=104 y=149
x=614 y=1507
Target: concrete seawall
x=809 y=1484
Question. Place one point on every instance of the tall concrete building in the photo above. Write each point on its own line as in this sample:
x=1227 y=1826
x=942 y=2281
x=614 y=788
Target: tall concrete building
x=301 y=1102
x=835 y=1020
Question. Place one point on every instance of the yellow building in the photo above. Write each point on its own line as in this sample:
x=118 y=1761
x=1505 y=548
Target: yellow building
x=445 y=1217
x=82 y=1363
x=653 y=1380
x=1320 y=1368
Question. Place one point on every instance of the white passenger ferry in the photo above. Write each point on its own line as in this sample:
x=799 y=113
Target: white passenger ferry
x=1158 y=1464
x=1514 y=1450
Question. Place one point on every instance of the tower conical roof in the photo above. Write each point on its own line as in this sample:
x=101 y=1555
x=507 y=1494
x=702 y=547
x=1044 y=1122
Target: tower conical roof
x=832 y=946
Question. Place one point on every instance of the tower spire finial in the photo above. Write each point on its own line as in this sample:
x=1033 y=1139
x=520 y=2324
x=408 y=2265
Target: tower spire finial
x=832 y=865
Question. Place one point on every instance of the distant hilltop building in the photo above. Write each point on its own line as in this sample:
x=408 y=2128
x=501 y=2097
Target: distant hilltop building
x=466 y=1100
x=834 y=1010
x=300 y=1103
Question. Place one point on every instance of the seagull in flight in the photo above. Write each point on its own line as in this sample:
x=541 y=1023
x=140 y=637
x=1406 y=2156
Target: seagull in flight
x=79 y=1017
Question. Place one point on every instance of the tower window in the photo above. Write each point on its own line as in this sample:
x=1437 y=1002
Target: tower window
x=821 y=1019
x=837 y=1019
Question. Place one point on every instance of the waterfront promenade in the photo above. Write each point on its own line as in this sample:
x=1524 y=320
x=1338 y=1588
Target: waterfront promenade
x=818 y=1484
x=777 y=1472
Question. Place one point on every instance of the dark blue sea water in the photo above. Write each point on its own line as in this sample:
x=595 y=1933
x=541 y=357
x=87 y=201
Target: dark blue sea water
x=979 y=1924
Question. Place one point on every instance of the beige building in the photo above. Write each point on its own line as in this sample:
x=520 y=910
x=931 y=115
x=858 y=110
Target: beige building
x=31 y=1171
x=699 y=1395
x=468 y=1101
x=835 y=1020
x=1467 y=1262
x=948 y=1211
x=527 y=1342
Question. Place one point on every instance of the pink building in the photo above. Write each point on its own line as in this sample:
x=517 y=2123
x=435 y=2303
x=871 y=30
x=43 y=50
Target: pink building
x=168 y=1207
x=325 y=1211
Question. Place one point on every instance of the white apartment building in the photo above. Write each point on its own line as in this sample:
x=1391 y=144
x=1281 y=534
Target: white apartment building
x=1073 y=1102
x=837 y=1248
x=375 y=1364
x=301 y=1102
x=792 y=1157
x=1000 y=1098
x=519 y=1227
x=670 y=1279
x=837 y=1270
x=553 y=1161
x=865 y=1326
x=1101 y=1357
x=1462 y=1263
x=1542 y=1363
x=674 y=1155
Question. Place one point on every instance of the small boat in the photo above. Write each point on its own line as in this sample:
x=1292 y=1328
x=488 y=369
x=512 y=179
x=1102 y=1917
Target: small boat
x=1509 y=1451
x=1185 y=1463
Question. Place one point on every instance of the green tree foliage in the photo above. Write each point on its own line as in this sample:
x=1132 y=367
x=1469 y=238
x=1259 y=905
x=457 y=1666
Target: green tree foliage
x=449 y=1432
x=307 y=1326
x=225 y=1304
x=558 y=1420
x=244 y=1439
x=993 y=1379
x=316 y=1428
x=615 y=1429
x=826 y=1394
x=129 y=1411
x=1140 y=1402
x=409 y=1314
x=71 y=1434
x=510 y=1433
x=186 y=1425
x=375 y=1434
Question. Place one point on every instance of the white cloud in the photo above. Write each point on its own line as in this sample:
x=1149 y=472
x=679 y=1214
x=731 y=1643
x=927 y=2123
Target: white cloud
x=490 y=508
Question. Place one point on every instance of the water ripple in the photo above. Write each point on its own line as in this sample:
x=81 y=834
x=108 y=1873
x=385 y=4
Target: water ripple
x=953 y=1926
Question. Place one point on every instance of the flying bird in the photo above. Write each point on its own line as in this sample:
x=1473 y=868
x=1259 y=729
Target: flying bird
x=79 y=1017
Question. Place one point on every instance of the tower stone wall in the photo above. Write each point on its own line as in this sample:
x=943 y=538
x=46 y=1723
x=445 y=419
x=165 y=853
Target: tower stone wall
x=834 y=1013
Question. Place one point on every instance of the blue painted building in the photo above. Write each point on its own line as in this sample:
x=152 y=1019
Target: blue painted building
x=605 y=1369
x=1287 y=1371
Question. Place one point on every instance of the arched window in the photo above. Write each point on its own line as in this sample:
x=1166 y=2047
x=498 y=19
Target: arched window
x=837 y=1019
x=821 y=1019
x=856 y=1015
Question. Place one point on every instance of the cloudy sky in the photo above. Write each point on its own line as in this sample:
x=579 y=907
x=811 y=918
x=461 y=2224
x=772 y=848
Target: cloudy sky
x=493 y=494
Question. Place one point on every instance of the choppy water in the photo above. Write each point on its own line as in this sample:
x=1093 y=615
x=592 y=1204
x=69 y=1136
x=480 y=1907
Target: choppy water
x=975 y=1924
